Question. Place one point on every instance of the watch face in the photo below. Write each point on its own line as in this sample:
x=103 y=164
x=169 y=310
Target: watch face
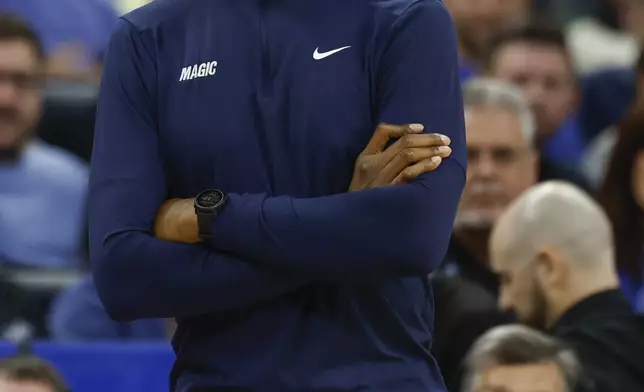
x=210 y=199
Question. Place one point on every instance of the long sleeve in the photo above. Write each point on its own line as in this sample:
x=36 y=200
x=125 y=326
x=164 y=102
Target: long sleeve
x=384 y=232
x=137 y=275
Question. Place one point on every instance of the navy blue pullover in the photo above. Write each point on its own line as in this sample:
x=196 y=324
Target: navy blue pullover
x=304 y=287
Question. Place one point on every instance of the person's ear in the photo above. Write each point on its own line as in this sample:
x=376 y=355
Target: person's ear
x=551 y=270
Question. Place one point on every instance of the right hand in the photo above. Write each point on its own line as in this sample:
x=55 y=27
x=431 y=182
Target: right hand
x=410 y=156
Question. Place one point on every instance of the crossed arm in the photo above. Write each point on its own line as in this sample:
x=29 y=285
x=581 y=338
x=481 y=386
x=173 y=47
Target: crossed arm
x=262 y=245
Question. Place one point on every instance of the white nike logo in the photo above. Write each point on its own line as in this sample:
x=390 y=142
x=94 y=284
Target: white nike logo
x=319 y=56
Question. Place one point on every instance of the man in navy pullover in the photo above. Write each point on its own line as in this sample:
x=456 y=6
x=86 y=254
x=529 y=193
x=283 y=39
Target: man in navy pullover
x=303 y=286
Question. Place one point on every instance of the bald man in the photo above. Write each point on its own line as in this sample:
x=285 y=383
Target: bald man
x=553 y=252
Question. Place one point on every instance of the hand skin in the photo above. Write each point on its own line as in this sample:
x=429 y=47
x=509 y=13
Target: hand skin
x=410 y=156
x=176 y=221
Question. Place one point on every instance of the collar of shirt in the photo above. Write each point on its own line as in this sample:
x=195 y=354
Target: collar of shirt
x=597 y=305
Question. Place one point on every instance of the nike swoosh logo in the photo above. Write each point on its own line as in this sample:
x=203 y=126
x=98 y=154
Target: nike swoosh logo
x=319 y=56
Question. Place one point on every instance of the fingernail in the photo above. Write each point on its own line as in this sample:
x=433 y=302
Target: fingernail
x=416 y=127
x=445 y=139
x=437 y=160
x=444 y=149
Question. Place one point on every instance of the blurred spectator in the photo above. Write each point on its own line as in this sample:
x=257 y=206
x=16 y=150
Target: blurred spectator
x=78 y=314
x=607 y=96
x=536 y=59
x=74 y=33
x=514 y=358
x=477 y=22
x=622 y=196
x=26 y=373
x=464 y=311
x=597 y=157
x=502 y=164
x=42 y=189
x=602 y=33
x=608 y=89
x=553 y=252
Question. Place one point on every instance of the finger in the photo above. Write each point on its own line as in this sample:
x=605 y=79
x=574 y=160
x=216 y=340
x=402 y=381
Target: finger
x=414 y=141
x=407 y=158
x=410 y=156
x=413 y=172
x=384 y=132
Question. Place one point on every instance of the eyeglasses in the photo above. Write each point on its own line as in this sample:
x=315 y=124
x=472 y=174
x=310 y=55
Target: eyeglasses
x=499 y=155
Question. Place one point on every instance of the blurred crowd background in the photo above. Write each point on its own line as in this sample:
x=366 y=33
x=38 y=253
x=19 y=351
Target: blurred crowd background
x=549 y=234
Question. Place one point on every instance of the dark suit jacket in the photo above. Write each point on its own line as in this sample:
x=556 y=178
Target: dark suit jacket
x=608 y=338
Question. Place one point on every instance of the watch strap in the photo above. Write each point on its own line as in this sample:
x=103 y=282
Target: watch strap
x=207 y=213
x=204 y=221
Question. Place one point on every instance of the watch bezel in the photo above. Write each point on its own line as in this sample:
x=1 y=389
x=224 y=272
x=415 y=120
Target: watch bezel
x=199 y=206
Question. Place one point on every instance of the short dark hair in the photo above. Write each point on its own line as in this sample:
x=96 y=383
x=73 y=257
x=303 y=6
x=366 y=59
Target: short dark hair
x=31 y=368
x=534 y=33
x=14 y=28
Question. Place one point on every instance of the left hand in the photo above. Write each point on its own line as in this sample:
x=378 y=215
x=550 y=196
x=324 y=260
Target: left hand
x=176 y=221
x=412 y=155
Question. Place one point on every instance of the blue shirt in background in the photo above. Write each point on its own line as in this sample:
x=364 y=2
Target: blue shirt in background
x=606 y=97
x=42 y=208
x=566 y=146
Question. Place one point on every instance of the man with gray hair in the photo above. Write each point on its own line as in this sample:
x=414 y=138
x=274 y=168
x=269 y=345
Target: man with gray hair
x=553 y=252
x=502 y=164
x=514 y=358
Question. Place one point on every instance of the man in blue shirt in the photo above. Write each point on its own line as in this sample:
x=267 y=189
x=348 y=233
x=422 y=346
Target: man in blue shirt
x=42 y=188
x=536 y=58
x=296 y=284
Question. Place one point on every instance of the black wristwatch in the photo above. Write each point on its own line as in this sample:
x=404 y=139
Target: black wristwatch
x=207 y=205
